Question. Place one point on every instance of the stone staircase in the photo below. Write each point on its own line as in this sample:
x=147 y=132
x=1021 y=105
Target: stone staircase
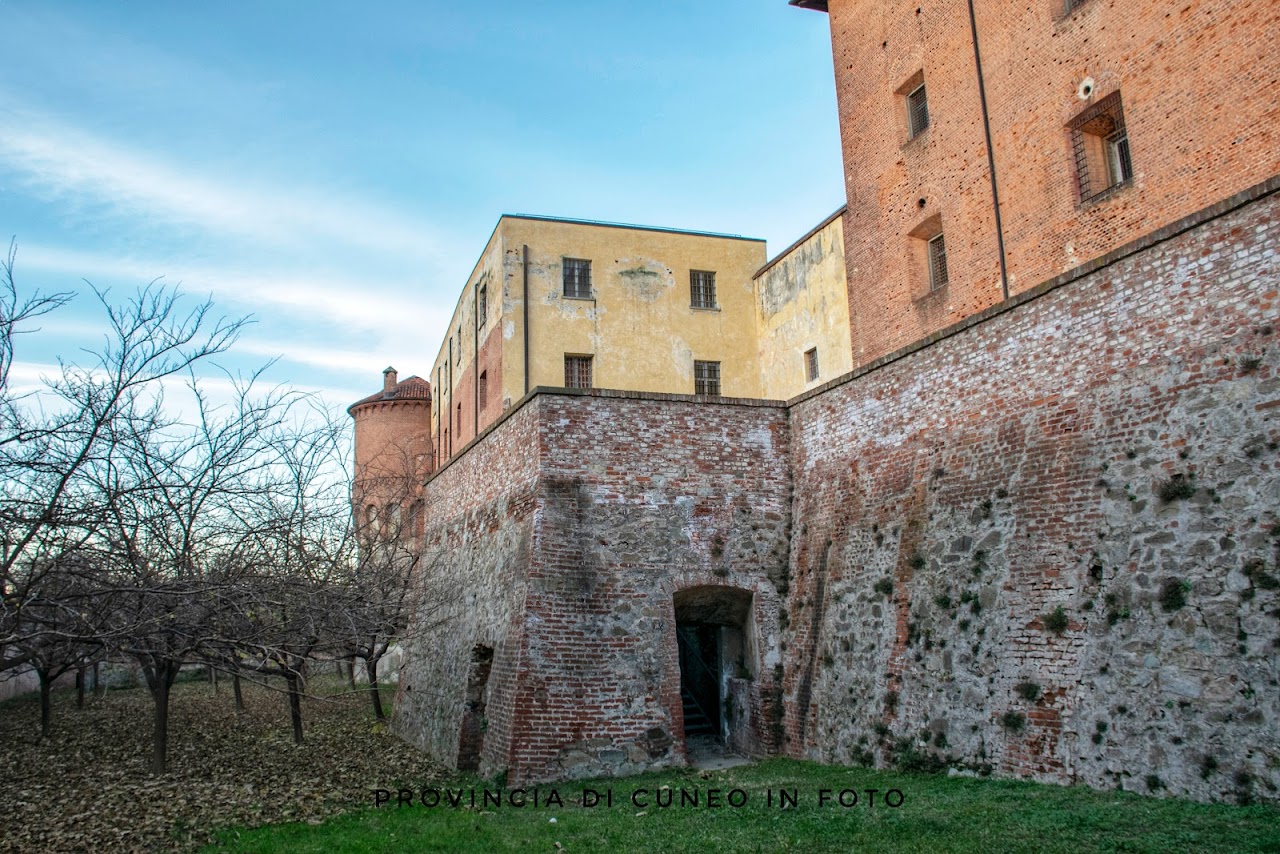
x=696 y=723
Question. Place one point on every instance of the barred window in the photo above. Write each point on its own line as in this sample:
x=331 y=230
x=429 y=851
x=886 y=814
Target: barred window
x=937 y=262
x=482 y=305
x=706 y=377
x=811 y=364
x=577 y=371
x=917 y=111
x=1100 y=144
x=577 y=278
x=702 y=289
x=483 y=390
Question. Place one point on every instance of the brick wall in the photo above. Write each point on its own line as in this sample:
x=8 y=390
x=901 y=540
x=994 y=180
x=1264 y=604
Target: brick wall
x=568 y=528
x=642 y=497
x=1194 y=81
x=1110 y=447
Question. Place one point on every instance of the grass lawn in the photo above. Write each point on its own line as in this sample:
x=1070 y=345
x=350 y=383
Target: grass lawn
x=937 y=814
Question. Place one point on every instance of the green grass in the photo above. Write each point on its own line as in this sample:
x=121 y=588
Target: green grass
x=939 y=814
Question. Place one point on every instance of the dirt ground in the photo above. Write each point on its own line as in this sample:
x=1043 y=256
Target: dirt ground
x=87 y=787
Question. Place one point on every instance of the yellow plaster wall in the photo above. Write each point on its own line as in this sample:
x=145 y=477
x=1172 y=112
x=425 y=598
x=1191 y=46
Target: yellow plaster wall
x=802 y=301
x=639 y=327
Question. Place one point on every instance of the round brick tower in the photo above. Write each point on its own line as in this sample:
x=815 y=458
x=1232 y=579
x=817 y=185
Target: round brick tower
x=392 y=451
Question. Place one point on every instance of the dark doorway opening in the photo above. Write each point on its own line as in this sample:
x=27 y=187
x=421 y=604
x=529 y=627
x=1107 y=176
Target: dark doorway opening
x=700 y=678
x=474 y=722
x=715 y=663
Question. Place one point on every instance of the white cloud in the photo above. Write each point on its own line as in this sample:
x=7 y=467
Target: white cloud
x=65 y=160
x=350 y=303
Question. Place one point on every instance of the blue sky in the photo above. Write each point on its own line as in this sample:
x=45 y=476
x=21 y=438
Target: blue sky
x=334 y=169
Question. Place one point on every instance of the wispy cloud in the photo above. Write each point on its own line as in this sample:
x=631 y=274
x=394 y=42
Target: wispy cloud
x=347 y=302
x=67 y=161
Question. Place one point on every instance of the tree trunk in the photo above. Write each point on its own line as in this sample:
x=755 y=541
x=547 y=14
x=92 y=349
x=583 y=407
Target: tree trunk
x=99 y=687
x=160 y=734
x=337 y=663
x=235 y=684
x=371 y=669
x=79 y=687
x=351 y=672
x=213 y=678
x=295 y=705
x=160 y=678
x=46 y=687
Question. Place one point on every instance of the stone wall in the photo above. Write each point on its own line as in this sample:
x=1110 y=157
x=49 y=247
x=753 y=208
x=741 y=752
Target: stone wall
x=478 y=538
x=1043 y=543
x=1046 y=543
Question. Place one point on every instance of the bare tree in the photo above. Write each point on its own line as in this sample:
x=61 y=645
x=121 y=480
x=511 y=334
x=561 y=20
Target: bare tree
x=49 y=440
x=171 y=491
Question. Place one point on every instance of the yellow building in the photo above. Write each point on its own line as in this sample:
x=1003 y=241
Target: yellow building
x=583 y=304
x=802 y=313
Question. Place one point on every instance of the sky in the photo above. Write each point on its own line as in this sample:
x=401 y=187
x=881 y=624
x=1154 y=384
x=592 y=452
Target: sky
x=333 y=170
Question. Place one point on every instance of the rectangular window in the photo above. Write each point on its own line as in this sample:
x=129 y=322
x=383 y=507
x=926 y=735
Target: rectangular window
x=706 y=377
x=937 y=262
x=577 y=371
x=917 y=111
x=1100 y=144
x=483 y=390
x=702 y=289
x=482 y=306
x=811 y=364
x=577 y=278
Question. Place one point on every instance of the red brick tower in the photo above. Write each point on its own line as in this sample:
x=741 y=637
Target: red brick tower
x=392 y=450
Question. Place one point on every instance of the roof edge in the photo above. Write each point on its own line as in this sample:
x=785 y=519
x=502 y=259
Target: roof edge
x=839 y=212
x=627 y=225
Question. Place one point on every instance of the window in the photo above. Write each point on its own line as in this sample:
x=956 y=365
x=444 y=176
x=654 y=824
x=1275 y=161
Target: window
x=1100 y=144
x=459 y=417
x=483 y=389
x=937 y=262
x=811 y=364
x=702 y=289
x=577 y=278
x=577 y=371
x=706 y=377
x=917 y=112
x=482 y=306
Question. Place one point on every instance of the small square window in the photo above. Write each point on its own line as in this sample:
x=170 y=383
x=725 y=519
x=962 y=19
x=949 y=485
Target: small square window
x=811 y=364
x=1100 y=144
x=577 y=278
x=937 y=262
x=577 y=371
x=702 y=289
x=917 y=111
x=706 y=377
